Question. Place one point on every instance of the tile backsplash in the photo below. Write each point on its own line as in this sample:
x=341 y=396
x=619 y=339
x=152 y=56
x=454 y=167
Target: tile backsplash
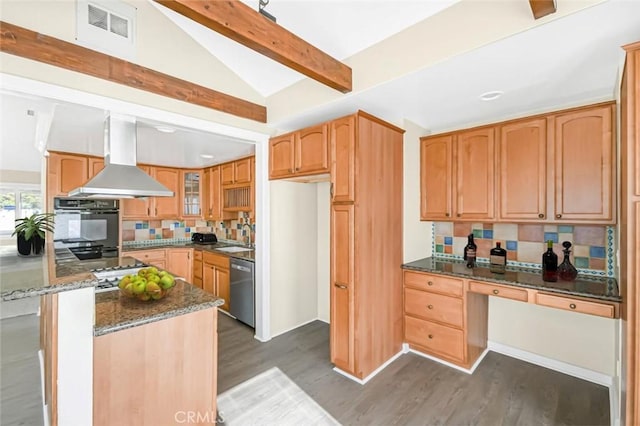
x=157 y=231
x=592 y=251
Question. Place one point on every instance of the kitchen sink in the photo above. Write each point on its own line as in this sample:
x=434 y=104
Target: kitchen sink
x=233 y=249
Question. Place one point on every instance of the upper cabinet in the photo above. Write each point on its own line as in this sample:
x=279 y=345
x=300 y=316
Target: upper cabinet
x=584 y=165
x=523 y=164
x=343 y=147
x=211 y=191
x=191 y=193
x=156 y=207
x=558 y=167
x=65 y=172
x=237 y=192
x=302 y=153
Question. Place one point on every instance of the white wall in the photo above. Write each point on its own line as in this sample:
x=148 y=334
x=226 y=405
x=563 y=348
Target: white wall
x=294 y=255
x=324 y=237
x=417 y=234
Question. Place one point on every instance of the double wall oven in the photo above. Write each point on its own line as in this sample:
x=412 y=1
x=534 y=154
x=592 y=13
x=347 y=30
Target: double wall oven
x=89 y=228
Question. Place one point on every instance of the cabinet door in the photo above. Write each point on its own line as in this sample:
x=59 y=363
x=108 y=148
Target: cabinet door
x=474 y=153
x=216 y=194
x=155 y=258
x=191 y=184
x=436 y=178
x=168 y=207
x=95 y=166
x=136 y=208
x=342 y=134
x=66 y=172
x=523 y=170
x=179 y=263
x=243 y=171
x=281 y=156
x=312 y=150
x=227 y=173
x=223 y=286
x=584 y=168
x=208 y=278
x=342 y=287
x=206 y=193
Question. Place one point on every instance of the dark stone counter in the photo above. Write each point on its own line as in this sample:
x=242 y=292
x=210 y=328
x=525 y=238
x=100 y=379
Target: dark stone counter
x=214 y=248
x=602 y=288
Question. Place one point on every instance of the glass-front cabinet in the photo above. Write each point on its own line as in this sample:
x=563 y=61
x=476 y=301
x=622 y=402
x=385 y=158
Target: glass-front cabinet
x=191 y=195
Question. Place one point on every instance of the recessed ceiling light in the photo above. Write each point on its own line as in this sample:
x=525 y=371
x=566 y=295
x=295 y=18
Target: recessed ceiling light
x=207 y=156
x=165 y=129
x=491 y=96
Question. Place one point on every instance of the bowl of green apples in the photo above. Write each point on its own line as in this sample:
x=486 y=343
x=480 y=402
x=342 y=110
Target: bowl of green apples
x=147 y=284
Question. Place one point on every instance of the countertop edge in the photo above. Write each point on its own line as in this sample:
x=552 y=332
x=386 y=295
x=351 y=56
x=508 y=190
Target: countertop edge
x=101 y=331
x=41 y=291
x=203 y=247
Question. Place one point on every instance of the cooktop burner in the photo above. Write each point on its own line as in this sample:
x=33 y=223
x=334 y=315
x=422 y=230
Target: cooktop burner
x=108 y=278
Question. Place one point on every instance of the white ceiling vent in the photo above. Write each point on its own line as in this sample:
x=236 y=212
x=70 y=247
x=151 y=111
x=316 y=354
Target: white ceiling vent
x=107 y=26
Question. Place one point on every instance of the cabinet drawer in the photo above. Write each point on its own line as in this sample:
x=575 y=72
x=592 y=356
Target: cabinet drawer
x=583 y=306
x=433 y=306
x=434 y=283
x=498 y=290
x=197 y=255
x=435 y=337
x=219 y=260
x=197 y=269
x=147 y=256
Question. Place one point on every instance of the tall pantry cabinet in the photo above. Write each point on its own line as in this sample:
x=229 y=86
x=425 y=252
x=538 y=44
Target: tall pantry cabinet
x=366 y=243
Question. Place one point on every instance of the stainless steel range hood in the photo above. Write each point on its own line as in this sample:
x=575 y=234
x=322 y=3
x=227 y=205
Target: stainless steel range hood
x=120 y=177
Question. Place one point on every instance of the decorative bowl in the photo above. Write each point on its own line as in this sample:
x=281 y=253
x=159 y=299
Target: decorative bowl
x=147 y=285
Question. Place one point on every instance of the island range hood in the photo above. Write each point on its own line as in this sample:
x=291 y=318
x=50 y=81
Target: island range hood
x=120 y=177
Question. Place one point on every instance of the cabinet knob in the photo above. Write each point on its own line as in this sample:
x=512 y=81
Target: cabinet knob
x=340 y=286
x=572 y=306
x=447 y=214
x=430 y=336
x=558 y=216
x=290 y=170
x=541 y=216
x=496 y=291
x=429 y=306
x=430 y=283
x=458 y=215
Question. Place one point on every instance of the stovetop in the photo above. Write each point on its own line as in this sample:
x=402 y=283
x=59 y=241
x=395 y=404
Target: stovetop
x=108 y=278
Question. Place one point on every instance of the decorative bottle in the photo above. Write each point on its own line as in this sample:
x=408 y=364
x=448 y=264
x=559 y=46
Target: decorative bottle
x=566 y=270
x=549 y=264
x=470 y=252
x=498 y=259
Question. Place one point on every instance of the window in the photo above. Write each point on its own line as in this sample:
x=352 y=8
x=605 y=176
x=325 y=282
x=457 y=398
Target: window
x=16 y=203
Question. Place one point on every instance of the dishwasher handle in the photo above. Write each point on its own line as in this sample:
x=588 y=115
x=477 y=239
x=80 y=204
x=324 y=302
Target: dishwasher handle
x=240 y=268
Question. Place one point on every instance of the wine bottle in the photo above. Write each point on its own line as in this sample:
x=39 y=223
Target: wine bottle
x=549 y=264
x=498 y=259
x=470 y=252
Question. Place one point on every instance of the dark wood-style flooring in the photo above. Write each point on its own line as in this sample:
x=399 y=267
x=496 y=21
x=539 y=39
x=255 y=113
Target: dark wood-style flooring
x=413 y=390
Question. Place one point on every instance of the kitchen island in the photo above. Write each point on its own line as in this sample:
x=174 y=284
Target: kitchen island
x=88 y=341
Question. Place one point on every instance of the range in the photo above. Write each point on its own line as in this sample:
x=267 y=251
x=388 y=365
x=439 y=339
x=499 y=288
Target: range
x=108 y=278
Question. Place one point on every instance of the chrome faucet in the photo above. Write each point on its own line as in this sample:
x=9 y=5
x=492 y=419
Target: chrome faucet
x=248 y=237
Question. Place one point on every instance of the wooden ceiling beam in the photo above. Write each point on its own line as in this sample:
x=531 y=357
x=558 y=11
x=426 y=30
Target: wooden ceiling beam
x=542 y=8
x=248 y=27
x=28 y=44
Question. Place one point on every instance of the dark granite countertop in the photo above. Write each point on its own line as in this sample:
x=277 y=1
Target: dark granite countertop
x=115 y=312
x=601 y=288
x=244 y=255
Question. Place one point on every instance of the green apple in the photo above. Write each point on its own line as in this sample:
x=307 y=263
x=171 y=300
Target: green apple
x=167 y=281
x=153 y=270
x=124 y=281
x=144 y=297
x=139 y=285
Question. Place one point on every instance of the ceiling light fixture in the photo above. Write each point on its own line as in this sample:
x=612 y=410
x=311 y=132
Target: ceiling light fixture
x=165 y=129
x=491 y=96
x=207 y=156
x=261 y=6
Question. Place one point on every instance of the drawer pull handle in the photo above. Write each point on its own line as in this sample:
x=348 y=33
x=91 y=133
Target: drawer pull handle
x=430 y=306
x=572 y=306
x=558 y=216
x=541 y=216
x=430 y=283
x=496 y=291
x=340 y=286
x=430 y=336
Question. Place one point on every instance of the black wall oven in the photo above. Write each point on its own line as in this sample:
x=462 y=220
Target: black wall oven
x=87 y=227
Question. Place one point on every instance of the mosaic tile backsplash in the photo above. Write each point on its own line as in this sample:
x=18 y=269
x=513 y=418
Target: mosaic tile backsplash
x=172 y=230
x=592 y=251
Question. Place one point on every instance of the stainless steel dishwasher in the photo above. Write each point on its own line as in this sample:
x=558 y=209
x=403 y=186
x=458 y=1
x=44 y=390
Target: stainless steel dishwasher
x=242 y=298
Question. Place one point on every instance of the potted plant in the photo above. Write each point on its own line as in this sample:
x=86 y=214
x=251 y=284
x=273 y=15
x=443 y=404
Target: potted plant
x=31 y=232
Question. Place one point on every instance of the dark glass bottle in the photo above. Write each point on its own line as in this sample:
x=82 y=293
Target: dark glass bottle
x=470 y=252
x=498 y=259
x=549 y=264
x=566 y=270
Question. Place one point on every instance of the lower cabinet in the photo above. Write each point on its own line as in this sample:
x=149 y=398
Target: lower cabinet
x=179 y=261
x=155 y=257
x=197 y=268
x=215 y=276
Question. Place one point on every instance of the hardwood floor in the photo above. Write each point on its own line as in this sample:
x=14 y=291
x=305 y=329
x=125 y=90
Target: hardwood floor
x=413 y=390
x=21 y=391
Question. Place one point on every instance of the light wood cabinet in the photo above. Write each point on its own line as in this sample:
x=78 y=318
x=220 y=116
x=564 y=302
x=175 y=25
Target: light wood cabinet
x=179 y=263
x=236 y=172
x=436 y=178
x=584 y=165
x=95 y=166
x=302 y=153
x=154 y=257
x=212 y=190
x=191 y=190
x=474 y=171
x=227 y=173
x=499 y=291
x=156 y=207
x=237 y=193
x=523 y=164
x=215 y=276
x=197 y=268
x=576 y=305
x=366 y=283
x=138 y=208
x=66 y=172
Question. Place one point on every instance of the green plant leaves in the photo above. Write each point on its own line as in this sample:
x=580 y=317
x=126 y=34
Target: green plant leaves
x=37 y=223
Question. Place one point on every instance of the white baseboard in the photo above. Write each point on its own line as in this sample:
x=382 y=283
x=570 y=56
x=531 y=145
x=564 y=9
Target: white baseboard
x=370 y=376
x=562 y=367
x=293 y=328
x=45 y=407
x=448 y=364
x=614 y=405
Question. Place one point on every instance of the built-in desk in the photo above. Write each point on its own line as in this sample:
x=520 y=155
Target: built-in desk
x=446 y=303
